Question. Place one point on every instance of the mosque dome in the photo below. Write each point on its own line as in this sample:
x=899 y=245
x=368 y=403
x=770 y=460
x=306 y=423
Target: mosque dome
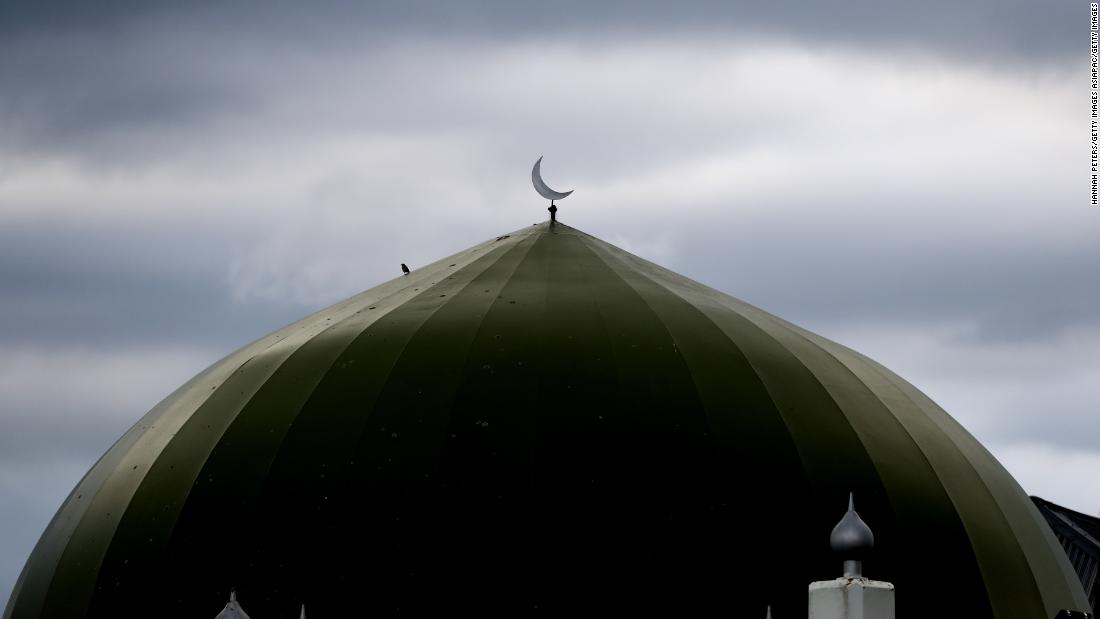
x=541 y=422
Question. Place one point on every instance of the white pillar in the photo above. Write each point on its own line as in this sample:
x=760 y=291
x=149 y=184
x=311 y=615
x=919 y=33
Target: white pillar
x=851 y=598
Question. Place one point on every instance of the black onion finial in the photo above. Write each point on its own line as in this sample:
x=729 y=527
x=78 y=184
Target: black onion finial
x=853 y=540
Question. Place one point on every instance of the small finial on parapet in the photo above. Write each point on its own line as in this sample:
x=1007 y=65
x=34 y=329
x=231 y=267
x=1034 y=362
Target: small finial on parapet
x=852 y=539
x=853 y=596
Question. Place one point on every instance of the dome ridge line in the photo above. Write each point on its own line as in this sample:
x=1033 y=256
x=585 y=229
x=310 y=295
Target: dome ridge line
x=524 y=243
x=798 y=425
x=542 y=408
x=71 y=513
x=599 y=248
x=281 y=345
x=313 y=340
x=1013 y=506
x=991 y=560
x=530 y=241
x=621 y=256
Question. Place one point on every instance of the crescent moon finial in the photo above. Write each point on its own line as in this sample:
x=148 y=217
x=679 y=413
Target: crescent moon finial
x=545 y=191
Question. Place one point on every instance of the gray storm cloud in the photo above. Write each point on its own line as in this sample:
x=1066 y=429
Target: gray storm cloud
x=908 y=180
x=979 y=28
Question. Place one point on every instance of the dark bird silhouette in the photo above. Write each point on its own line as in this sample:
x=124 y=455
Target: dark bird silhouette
x=404 y=269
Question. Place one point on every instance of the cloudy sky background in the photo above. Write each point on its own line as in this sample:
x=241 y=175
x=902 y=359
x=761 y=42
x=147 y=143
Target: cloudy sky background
x=177 y=180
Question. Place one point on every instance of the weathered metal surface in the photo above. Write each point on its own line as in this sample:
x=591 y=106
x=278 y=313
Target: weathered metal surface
x=541 y=421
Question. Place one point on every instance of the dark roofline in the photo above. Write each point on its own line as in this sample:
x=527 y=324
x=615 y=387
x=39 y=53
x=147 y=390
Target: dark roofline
x=1076 y=515
x=1079 y=535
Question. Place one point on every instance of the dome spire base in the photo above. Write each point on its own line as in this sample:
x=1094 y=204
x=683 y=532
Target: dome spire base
x=853 y=569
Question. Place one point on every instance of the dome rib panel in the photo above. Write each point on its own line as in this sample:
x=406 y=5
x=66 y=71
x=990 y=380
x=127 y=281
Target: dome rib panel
x=1020 y=513
x=71 y=590
x=931 y=545
x=888 y=414
x=993 y=568
x=666 y=317
x=553 y=421
x=296 y=369
x=34 y=583
x=1005 y=568
x=823 y=457
x=779 y=328
x=115 y=477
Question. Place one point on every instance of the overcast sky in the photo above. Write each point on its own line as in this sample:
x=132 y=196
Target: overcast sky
x=177 y=179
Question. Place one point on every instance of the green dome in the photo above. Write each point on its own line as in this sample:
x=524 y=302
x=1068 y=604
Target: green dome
x=542 y=421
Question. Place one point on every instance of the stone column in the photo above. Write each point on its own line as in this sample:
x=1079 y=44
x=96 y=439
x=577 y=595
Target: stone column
x=851 y=598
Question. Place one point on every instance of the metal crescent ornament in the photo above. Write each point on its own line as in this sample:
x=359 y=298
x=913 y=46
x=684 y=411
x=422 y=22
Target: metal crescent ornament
x=544 y=191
